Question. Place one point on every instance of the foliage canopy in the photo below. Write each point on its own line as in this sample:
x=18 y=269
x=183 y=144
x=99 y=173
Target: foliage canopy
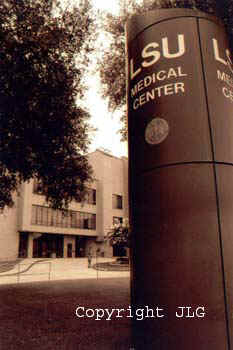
x=44 y=133
x=119 y=234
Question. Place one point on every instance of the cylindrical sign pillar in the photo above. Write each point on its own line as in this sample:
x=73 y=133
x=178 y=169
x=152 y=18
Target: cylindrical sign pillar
x=180 y=120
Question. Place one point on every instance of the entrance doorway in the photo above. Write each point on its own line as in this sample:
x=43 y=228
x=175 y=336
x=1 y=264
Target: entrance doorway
x=80 y=245
x=48 y=245
x=23 y=245
x=69 y=250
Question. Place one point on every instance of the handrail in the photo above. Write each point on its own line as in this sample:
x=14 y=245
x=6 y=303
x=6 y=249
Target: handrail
x=21 y=273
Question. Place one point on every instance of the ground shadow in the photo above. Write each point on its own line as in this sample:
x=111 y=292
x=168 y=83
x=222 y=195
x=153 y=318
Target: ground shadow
x=41 y=315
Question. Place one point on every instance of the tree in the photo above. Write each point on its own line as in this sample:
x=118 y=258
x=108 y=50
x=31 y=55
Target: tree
x=112 y=64
x=119 y=234
x=44 y=133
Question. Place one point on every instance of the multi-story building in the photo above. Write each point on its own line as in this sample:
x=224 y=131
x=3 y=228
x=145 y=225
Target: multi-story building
x=33 y=229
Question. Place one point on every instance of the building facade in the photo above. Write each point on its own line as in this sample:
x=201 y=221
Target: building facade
x=32 y=229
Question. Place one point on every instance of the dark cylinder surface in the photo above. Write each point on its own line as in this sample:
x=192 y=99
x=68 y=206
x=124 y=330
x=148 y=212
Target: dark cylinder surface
x=180 y=122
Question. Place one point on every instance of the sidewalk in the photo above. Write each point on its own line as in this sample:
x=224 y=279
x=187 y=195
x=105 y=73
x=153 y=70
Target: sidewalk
x=33 y=270
x=6 y=266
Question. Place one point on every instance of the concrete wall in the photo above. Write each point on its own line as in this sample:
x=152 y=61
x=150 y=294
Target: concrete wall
x=111 y=178
x=112 y=175
x=9 y=236
x=30 y=198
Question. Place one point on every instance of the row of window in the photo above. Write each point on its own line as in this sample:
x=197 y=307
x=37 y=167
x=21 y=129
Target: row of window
x=70 y=219
x=117 y=200
x=90 y=196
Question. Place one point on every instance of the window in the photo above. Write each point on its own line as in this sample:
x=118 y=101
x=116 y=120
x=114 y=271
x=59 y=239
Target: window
x=92 y=222
x=91 y=196
x=65 y=220
x=50 y=217
x=117 y=201
x=57 y=215
x=39 y=216
x=85 y=223
x=46 y=216
x=37 y=187
x=73 y=219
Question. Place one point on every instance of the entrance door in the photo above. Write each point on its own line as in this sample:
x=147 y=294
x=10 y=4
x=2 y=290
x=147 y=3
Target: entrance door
x=48 y=244
x=80 y=245
x=69 y=250
x=23 y=245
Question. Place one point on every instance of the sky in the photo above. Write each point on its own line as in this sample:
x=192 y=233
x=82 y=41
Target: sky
x=108 y=125
x=109 y=5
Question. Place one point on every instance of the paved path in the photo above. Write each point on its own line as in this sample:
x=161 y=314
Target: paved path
x=32 y=270
x=8 y=265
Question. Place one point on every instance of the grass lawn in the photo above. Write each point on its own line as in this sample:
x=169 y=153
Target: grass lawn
x=41 y=315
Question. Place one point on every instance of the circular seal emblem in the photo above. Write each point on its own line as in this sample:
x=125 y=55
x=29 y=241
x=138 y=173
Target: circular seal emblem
x=156 y=131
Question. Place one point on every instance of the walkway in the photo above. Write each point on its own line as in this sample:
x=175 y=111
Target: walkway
x=32 y=270
x=8 y=265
